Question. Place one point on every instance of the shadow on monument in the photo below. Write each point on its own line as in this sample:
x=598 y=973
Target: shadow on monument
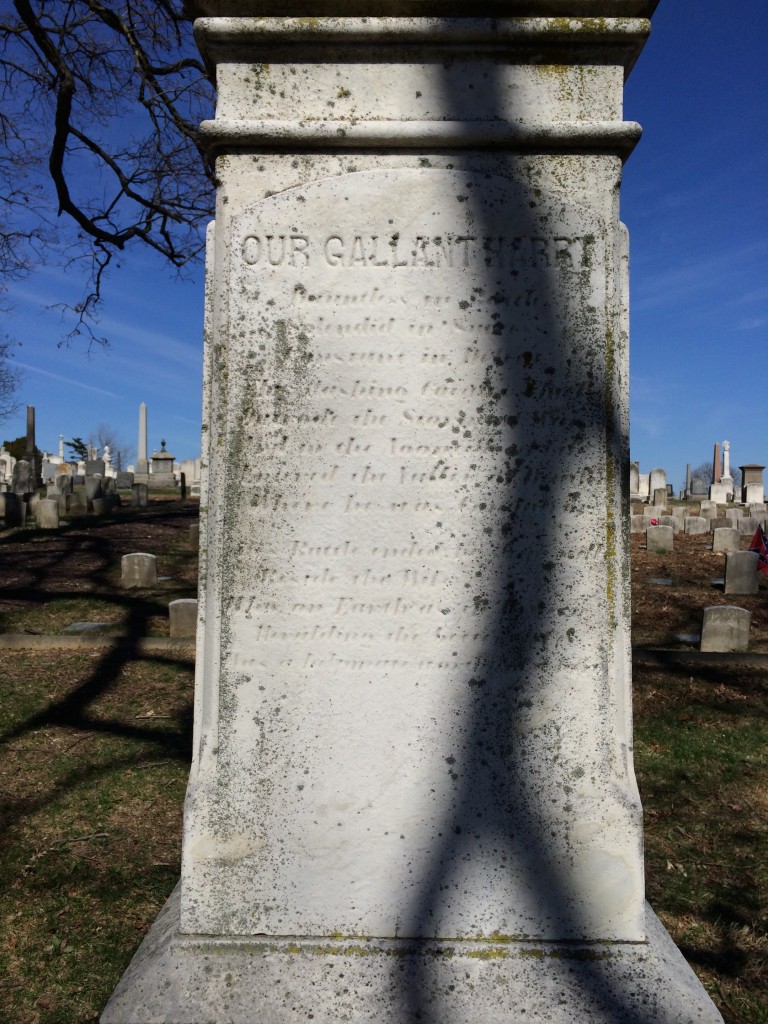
x=495 y=804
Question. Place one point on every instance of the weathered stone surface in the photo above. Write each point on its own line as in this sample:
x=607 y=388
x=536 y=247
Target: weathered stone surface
x=47 y=514
x=725 y=628
x=657 y=486
x=139 y=569
x=741 y=572
x=397 y=981
x=92 y=488
x=182 y=616
x=370 y=536
x=23 y=477
x=748 y=525
x=660 y=540
x=139 y=495
x=15 y=509
x=696 y=525
x=726 y=539
x=407 y=726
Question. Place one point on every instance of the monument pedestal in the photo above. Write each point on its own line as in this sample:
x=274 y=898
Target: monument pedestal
x=186 y=979
x=412 y=795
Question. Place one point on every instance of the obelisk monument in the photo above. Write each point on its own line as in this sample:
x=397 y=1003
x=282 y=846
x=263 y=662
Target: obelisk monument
x=141 y=474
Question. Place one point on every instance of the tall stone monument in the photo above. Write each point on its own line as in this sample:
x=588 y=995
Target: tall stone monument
x=31 y=453
x=726 y=479
x=412 y=796
x=141 y=474
x=721 y=488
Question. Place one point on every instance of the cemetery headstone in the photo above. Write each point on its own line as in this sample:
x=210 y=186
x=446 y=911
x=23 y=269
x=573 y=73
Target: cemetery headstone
x=741 y=572
x=94 y=467
x=634 y=481
x=657 y=482
x=78 y=504
x=725 y=628
x=726 y=539
x=653 y=511
x=139 y=496
x=15 y=510
x=660 y=540
x=748 y=525
x=183 y=617
x=695 y=525
x=93 y=487
x=47 y=514
x=139 y=569
x=23 y=477
x=413 y=728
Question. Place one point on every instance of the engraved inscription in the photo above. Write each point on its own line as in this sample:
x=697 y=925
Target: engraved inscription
x=389 y=380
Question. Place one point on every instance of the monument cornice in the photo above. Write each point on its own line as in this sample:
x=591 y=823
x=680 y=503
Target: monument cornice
x=421 y=8
x=539 y=40
x=619 y=137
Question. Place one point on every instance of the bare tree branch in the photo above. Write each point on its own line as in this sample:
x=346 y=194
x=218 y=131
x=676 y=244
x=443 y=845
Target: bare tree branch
x=98 y=133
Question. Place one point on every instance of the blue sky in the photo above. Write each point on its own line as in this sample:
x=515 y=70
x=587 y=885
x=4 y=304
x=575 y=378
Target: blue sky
x=696 y=204
x=695 y=200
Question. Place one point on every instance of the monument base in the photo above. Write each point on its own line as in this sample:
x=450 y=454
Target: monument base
x=162 y=481
x=176 y=979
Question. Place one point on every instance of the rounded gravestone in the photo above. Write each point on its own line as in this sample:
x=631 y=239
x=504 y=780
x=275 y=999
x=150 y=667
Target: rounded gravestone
x=139 y=570
x=725 y=628
x=183 y=617
x=48 y=514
